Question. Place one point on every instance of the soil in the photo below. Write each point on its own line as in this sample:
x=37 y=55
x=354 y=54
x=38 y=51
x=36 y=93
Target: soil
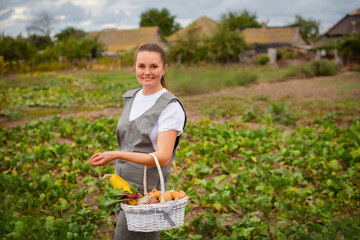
x=327 y=88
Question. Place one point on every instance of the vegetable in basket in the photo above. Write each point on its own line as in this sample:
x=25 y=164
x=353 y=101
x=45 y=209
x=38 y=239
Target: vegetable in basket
x=122 y=192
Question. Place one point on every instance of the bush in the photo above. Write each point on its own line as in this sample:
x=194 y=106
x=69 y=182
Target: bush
x=349 y=46
x=245 y=78
x=291 y=71
x=284 y=53
x=50 y=66
x=224 y=46
x=127 y=57
x=4 y=66
x=325 y=68
x=307 y=70
x=320 y=68
x=264 y=59
x=251 y=114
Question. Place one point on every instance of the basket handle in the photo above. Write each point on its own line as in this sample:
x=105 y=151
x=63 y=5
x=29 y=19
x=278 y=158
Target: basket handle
x=162 y=184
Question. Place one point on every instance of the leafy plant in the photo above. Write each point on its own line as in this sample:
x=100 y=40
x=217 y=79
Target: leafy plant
x=263 y=59
x=281 y=114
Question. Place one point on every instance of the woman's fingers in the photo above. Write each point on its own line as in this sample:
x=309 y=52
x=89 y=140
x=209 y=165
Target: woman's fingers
x=100 y=159
x=94 y=157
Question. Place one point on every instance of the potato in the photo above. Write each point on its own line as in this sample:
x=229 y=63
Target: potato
x=148 y=199
x=181 y=193
x=174 y=195
x=167 y=196
x=157 y=194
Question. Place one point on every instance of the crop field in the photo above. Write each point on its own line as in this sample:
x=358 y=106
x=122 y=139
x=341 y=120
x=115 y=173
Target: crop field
x=263 y=158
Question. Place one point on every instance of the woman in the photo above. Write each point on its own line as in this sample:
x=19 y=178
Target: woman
x=152 y=121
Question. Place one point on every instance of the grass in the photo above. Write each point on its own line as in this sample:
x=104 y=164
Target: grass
x=345 y=84
x=286 y=112
x=221 y=107
x=189 y=81
x=45 y=93
x=64 y=78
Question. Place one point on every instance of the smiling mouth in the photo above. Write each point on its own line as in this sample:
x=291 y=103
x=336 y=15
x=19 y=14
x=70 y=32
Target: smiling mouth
x=147 y=78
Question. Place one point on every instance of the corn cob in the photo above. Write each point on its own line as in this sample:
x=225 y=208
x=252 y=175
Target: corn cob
x=118 y=182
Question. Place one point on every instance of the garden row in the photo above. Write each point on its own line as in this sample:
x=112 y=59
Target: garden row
x=243 y=183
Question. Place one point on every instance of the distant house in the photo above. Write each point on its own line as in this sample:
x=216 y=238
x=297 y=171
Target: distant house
x=346 y=26
x=264 y=38
x=121 y=40
x=202 y=26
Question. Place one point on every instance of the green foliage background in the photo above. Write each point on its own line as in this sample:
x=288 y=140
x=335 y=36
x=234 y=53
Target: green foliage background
x=292 y=177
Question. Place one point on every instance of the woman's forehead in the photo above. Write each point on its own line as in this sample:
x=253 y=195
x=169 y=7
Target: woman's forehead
x=147 y=56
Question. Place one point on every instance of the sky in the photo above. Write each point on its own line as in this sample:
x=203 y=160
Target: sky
x=95 y=15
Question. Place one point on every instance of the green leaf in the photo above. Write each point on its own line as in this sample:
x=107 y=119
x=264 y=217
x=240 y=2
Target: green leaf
x=280 y=235
x=195 y=237
x=220 y=179
x=348 y=190
x=334 y=164
x=255 y=219
x=218 y=206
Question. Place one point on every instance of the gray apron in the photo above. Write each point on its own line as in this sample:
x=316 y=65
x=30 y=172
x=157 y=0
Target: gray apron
x=133 y=136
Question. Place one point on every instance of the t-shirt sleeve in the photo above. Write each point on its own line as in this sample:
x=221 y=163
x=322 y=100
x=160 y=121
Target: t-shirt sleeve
x=172 y=117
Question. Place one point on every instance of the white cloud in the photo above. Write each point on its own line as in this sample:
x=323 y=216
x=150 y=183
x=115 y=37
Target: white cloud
x=184 y=22
x=60 y=17
x=128 y=27
x=21 y=13
x=108 y=25
x=15 y=15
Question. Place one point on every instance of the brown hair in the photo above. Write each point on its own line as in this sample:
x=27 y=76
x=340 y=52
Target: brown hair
x=154 y=47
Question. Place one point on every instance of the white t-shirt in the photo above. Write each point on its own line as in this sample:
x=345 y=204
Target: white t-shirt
x=172 y=117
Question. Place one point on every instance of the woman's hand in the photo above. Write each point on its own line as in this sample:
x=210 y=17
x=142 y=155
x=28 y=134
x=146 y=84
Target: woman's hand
x=101 y=159
x=165 y=147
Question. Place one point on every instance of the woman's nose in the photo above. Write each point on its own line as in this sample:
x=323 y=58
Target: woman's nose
x=147 y=70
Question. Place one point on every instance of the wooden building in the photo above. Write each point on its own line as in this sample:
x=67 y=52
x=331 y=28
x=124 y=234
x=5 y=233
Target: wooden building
x=121 y=40
x=346 y=26
x=202 y=26
x=264 y=38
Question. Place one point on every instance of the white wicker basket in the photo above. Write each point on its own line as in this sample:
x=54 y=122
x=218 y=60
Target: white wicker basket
x=155 y=217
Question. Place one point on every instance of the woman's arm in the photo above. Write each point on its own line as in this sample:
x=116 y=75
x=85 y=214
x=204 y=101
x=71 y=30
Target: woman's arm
x=165 y=147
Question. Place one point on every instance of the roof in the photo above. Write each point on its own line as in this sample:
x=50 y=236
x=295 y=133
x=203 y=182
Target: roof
x=119 y=40
x=350 y=23
x=355 y=12
x=274 y=35
x=347 y=25
x=202 y=26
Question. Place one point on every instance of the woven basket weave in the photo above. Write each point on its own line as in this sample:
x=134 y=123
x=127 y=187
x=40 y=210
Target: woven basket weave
x=155 y=217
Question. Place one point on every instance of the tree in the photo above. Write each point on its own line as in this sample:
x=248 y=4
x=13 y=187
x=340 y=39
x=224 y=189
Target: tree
x=223 y=46
x=309 y=27
x=15 y=49
x=73 y=48
x=227 y=45
x=70 y=32
x=349 y=46
x=40 y=41
x=241 y=19
x=162 y=19
x=187 y=49
x=41 y=25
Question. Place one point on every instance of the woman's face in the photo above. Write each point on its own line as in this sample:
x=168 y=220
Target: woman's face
x=149 y=69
